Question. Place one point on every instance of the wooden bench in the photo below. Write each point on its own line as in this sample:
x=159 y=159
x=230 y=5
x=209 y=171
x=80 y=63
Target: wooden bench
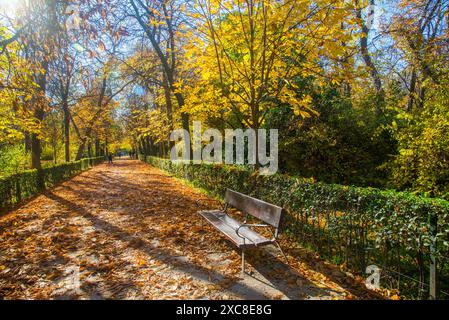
x=240 y=233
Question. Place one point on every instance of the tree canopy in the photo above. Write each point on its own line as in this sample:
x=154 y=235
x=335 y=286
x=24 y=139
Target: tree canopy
x=357 y=89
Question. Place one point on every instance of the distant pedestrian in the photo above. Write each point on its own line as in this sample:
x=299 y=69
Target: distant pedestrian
x=110 y=158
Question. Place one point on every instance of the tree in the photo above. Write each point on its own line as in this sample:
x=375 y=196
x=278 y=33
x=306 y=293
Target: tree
x=161 y=22
x=420 y=34
x=366 y=54
x=16 y=90
x=38 y=40
x=246 y=55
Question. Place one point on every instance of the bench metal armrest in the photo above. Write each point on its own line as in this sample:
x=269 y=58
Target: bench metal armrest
x=247 y=225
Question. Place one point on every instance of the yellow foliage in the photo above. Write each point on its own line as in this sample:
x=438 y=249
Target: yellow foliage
x=17 y=90
x=246 y=55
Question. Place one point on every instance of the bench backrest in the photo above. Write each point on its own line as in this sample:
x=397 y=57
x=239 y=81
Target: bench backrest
x=268 y=213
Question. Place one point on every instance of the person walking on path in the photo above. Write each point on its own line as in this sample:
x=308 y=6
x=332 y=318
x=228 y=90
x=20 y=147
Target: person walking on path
x=110 y=158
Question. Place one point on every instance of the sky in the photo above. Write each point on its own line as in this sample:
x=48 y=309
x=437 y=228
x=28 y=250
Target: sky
x=8 y=4
x=7 y=8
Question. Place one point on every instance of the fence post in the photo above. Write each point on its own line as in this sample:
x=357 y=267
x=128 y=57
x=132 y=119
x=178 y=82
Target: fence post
x=433 y=278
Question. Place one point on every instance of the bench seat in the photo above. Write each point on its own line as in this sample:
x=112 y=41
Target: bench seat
x=269 y=214
x=228 y=226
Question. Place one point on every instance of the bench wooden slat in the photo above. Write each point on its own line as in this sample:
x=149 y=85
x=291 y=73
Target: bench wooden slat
x=267 y=212
x=270 y=214
x=228 y=226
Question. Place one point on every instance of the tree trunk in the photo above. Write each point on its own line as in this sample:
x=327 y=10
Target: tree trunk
x=168 y=69
x=89 y=150
x=184 y=119
x=27 y=142
x=80 y=152
x=97 y=148
x=55 y=154
x=169 y=110
x=168 y=102
x=36 y=148
x=257 y=166
x=255 y=127
x=411 y=96
x=148 y=144
x=145 y=147
x=369 y=62
x=66 y=132
x=36 y=151
x=422 y=96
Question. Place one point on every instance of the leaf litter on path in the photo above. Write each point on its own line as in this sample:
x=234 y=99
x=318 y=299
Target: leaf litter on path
x=129 y=231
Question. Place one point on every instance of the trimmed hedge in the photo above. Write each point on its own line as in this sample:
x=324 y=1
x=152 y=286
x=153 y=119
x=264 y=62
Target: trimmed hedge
x=18 y=187
x=353 y=226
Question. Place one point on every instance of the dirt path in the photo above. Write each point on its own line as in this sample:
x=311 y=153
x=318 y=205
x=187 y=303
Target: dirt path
x=129 y=231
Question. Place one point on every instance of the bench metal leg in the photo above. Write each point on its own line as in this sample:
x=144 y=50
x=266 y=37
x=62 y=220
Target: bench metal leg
x=243 y=262
x=282 y=251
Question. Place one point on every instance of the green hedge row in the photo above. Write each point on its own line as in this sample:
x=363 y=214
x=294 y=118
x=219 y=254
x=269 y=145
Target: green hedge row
x=353 y=226
x=17 y=187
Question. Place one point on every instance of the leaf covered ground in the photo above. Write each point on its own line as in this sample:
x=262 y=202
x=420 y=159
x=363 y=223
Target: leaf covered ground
x=129 y=231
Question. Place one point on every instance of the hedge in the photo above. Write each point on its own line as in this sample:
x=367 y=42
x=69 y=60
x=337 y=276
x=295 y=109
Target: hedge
x=18 y=187
x=353 y=226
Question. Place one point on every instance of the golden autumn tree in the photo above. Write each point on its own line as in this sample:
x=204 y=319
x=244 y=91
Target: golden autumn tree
x=16 y=90
x=162 y=23
x=420 y=31
x=244 y=56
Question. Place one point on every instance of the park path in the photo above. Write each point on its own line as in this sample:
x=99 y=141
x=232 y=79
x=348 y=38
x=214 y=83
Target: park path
x=130 y=231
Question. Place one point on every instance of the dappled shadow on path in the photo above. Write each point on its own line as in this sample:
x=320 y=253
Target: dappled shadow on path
x=134 y=234
x=158 y=253
x=245 y=291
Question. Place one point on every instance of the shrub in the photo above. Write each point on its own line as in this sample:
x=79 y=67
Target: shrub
x=20 y=186
x=47 y=154
x=13 y=159
x=422 y=164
